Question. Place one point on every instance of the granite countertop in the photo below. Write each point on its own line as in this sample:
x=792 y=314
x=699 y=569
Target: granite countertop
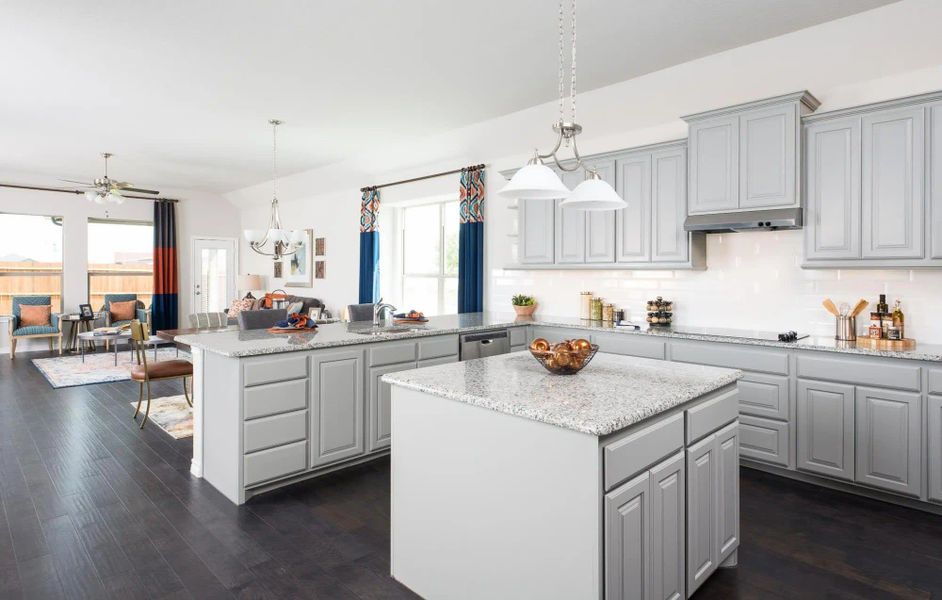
x=260 y=342
x=610 y=393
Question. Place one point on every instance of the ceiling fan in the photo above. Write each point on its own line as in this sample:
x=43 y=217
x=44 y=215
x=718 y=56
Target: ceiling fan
x=106 y=190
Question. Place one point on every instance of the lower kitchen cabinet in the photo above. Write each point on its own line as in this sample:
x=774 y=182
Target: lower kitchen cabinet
x=889 y=440
x=668 y=529
x=727 y=491
x=702 y=547
x=763 y=439
x=336 y=405
x=378 y=420
x=826 y=428
x=935 y=448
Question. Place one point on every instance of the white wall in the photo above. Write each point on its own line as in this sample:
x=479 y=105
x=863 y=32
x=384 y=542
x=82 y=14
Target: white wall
x=198 y=214
x=753 y=280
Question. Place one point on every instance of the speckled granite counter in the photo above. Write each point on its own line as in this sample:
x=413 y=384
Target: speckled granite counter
x=611 y=393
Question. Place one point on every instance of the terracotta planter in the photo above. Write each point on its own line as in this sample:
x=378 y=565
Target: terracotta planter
x=525 y=311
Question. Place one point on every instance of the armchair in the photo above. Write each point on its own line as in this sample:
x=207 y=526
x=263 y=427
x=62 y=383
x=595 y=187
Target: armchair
x=51 y=331
x=141 y=314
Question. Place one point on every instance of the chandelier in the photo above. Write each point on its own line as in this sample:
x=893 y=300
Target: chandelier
x=536 y=181
x=284 y=242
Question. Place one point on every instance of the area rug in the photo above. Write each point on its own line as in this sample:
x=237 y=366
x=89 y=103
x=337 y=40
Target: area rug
x=68 y=371
x=172 y=414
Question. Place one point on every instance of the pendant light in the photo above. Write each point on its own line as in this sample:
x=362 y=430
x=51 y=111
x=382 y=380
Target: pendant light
x=536 y=181
x=284 y=241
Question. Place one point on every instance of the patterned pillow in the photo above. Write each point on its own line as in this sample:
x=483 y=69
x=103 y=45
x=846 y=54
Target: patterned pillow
x=295 y=307
x=123 y=311
x=239 y=305
x=33 y=315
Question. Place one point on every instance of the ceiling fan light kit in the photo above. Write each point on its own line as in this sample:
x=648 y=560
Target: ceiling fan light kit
x=536 y=181
x=284 y=242
x=105 y=190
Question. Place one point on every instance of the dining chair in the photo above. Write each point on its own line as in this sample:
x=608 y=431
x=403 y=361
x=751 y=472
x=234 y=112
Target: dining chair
x=143 y=372
x=361 y=312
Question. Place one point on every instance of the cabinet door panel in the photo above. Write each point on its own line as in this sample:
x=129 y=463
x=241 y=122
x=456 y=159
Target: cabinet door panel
x=536 y=231
x=764 y=395
x=935 y=448
x=727 y=491
x=889 y=440
x=633 y=227
x=767 y=141
x=892 y=191
x=378 y=417
x=701 y=512
x=337 y=407
x=570 y=226
x=935 y=180
x=764 y=439
x=669 y=241
x=600 y=224
x=627 y=540
x=668 y=533
x=826 y=428
x=714 y=165
x=832 y=167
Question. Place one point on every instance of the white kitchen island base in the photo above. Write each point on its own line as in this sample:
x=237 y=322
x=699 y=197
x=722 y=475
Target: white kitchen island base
x=489 y=504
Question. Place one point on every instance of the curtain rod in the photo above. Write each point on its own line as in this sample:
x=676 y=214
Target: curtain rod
x=422 y=178
x=65 y=191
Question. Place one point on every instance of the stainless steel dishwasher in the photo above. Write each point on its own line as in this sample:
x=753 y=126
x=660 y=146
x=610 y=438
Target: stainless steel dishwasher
x=486 y=343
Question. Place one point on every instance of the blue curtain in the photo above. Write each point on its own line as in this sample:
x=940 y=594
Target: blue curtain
x=369 y=246
x=164 y=303
x=471 y=241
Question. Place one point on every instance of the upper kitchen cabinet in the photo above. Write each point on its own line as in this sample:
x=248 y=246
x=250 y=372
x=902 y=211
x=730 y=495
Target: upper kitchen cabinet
x=585 y=236
x=747 y=157
x=870 y=186
x=536 y=231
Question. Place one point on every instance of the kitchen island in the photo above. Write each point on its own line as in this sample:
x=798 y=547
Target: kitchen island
x=510 y=482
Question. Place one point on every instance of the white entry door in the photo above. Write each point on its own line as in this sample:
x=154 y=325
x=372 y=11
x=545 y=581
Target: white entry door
x=214 y=274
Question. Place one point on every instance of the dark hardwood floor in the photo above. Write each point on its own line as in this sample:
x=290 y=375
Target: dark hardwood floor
x=92 y=507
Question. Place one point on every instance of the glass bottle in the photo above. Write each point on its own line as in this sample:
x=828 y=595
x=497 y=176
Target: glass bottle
x=899 y=320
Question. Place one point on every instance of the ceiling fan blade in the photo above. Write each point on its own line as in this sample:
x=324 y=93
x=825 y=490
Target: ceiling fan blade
x=84 y=183
x=139 y=191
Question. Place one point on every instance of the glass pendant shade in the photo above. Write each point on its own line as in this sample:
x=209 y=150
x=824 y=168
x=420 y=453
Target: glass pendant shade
x=297 y=237
x=254 y=236
x=279 y=235
x=115 y=198
x=91 y=195
x=594 y=194
x=535 y=182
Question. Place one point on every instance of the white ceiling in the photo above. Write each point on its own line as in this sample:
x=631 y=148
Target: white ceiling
x=181 y=91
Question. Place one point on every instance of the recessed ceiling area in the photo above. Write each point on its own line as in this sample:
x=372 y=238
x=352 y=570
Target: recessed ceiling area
x=181 y=92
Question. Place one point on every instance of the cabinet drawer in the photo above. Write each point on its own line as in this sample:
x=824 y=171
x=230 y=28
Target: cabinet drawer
x=274 y=431
x=763 y=439
x=438 y=346
x=718 y=354
x=518 y=336
x=274 y=463
x=707 y=417
x=935 y=381
x=282 y=367
x=630 y=345
x=764 y=395
x=442 y=360
x=274 y=398
x=627 y=456
x=882 y=373
x=391 y=353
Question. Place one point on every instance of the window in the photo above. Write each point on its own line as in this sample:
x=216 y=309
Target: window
x=30 y=259
x=429 y=235
x=120 y=260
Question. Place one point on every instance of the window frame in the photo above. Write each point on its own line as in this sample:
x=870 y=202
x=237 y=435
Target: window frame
x=90 y=273
x=37 y=272
x=442 y=275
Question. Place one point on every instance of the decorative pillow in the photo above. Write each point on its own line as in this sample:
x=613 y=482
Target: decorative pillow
x=239 y=305
x=31 y=315
x=295 y=307
x=123 y=311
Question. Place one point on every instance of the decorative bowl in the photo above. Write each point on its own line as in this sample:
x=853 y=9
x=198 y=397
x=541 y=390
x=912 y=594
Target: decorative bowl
x=571 y=365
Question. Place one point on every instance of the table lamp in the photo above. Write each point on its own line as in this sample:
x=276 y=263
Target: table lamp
x=249 y=283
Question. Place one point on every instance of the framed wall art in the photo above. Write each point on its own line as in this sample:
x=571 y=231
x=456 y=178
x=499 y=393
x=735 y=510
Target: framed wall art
x=299 y=270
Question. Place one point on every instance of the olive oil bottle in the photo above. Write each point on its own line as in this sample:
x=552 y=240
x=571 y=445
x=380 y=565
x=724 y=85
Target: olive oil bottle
x=899 y=322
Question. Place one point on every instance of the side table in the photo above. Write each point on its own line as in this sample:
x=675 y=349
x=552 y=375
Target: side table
x=78 y=323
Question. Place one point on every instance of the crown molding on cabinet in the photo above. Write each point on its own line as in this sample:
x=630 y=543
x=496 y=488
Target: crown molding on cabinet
x=804 y=97
x=874 y=106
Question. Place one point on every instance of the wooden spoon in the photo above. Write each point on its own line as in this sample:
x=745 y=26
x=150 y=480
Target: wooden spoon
x=858 y=308
x=830 y=307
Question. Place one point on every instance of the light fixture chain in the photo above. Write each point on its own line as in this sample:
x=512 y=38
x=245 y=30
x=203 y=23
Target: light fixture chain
x=572 y=66
x=274 y=159
x=562 y=89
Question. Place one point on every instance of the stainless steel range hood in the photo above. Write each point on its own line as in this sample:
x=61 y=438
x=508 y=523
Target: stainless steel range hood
x=776 y=218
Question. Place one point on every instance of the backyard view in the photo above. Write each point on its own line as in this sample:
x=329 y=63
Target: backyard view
x=120 y=260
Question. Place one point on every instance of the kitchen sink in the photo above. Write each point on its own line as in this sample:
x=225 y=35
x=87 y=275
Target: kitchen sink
x=385 y=330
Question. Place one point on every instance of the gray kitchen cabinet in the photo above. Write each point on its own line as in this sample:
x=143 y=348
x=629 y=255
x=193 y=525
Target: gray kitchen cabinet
x=826 y=428
x=934 y=190
x=892 y=189
x=935 y=448
x=669 y=240
x=727 y=490
x=378 y=407
x=764 y=395
x=585 y=236
x=668 y=529
x=832 y=228
x=336 y=405
x=702 y=547
x=627 y=539
x=768 y=152
x=536 y=231
x=600 y=224
x=570 y=225
x=714 y=165
x=889 y=440
x=764 y=439
x=633 y=223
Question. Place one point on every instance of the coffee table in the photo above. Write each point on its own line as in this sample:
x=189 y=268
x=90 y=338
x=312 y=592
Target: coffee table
x=92 y=337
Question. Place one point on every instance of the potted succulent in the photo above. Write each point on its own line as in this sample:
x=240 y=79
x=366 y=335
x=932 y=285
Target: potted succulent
x=523 y=305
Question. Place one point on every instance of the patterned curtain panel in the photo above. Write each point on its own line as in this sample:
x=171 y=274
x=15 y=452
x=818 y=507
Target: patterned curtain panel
x=369 y=246
x=471 y=242
x=164 y=303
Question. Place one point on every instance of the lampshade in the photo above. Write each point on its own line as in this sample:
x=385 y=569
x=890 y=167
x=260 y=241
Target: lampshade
x=250 y=282
x=297 y=236
x=279 y=235
x=254 y=236
x=593 y=194
x=91 y=195
x=535 y=182
x=115 y=198
x=99 y=198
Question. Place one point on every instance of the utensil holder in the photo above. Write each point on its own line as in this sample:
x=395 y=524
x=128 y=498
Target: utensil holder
x=845 y=329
